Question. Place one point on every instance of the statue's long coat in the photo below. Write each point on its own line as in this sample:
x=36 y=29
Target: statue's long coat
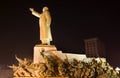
x=44 y=23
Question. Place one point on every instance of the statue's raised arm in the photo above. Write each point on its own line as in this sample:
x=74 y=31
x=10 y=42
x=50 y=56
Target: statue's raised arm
x=35 y=13
x=44 y=24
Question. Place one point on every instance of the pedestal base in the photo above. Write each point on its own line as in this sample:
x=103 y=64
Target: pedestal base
x=46 y=47
x=38 y=58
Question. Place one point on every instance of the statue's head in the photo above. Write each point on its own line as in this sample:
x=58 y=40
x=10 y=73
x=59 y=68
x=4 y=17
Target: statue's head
x=45 y=8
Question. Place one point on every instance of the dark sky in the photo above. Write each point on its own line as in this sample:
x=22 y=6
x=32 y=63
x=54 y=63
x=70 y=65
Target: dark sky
x=72 y=22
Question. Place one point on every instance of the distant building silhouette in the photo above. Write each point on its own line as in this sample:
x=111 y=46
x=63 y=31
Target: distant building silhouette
x=5 y=73
x=94 y=47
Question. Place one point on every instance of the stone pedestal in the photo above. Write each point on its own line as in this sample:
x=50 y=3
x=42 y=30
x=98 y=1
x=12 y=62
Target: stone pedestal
x=37 y=58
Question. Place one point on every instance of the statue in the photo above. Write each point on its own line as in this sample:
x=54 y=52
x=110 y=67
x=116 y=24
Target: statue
x=44 y=24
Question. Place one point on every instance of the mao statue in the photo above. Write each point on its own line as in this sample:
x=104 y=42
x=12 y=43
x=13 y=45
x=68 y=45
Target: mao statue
x=44 y=25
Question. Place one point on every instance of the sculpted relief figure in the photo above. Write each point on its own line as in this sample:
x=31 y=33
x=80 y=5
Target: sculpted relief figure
x=44 y=24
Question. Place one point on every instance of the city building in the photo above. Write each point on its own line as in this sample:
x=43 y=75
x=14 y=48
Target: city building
x=94 y=47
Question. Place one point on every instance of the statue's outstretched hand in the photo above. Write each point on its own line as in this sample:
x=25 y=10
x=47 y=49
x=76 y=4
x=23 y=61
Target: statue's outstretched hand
x=31 y=9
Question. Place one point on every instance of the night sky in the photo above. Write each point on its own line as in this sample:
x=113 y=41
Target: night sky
x=72 y=22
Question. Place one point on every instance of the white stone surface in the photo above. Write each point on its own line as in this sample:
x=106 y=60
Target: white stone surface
x=60 y=54
x=76 y=56
x=51 y=48
x=37 y=58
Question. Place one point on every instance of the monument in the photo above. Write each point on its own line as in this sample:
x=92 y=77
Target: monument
x=45 y=34
x=48 y=62
x=44 y=24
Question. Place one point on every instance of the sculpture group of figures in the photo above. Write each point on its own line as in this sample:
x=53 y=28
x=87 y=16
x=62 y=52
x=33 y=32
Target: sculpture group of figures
x=55 y=67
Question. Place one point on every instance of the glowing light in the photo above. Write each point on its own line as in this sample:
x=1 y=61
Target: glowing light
x=117 y=69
